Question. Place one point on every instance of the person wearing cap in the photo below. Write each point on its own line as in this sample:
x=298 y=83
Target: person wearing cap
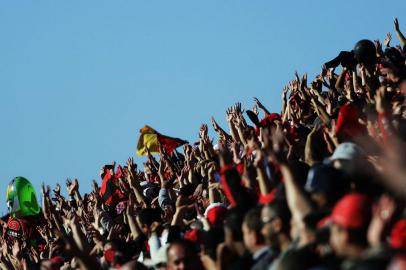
x=326 y=185
x=347 y=156
x=350 y=219
x=352 y=160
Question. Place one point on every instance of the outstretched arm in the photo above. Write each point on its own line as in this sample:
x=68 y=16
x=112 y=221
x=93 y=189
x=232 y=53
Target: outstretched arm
x=399 y=34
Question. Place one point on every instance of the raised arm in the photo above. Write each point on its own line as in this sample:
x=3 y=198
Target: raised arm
x=399 y=34
x=298 y=204
x=261 y=106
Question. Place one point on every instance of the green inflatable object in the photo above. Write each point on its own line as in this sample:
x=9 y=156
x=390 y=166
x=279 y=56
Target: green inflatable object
x=21 y=198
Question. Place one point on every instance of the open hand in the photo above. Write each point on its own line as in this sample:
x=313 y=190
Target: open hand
x=387 y=40
x=396 y=23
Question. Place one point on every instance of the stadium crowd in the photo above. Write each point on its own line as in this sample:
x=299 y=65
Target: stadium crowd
x=319 y=185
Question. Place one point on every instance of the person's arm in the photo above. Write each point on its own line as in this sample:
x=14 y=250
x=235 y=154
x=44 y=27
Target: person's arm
x=230 y=120
x=240 y=129
x=219 y=130
x=180 y=212
x=284 y=99
x=241 y=125
x=135 y=185
x=45 y=202
x=340 y=80
x=382 y=105
x=321 y=111
x=298 y=204
x=205 y=145
x=263 y=180
x=132 y=222
x=214 y=195
x=261 y=106
x=73 y=191
x=78 y=235
x=399 y=34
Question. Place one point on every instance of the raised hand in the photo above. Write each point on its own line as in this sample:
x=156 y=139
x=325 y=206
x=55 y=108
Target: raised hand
x=387 y=40
x=230 y=114
x=396 y=23
x=278 y=139
x=95 y=186
x=131 y=165
x=57 y=190
x=73 y=187
x=238 y=109
x=255 y=110
x=45 y=190
x=293 y=85
x=297 y=76
x=161 y=169
x=203 y=131
x=378 y=45
x=216 y=127
x=303 y=83
x=285 y=91
x=114 y=232
x=258 y=103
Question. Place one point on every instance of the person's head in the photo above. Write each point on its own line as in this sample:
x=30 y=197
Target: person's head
x=112 y=253
x=275 y=219
x=297 y=259
x=232 y=225
x=251 y=228
x=326 y=185
x=347 y=156
x=350 y=219
x=215 y=214
x=182 y=255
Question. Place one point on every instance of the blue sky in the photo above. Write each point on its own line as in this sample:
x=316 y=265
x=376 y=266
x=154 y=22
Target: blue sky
x=78 y=79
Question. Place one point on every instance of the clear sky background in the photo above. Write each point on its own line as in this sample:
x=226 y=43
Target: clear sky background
x=78 y=79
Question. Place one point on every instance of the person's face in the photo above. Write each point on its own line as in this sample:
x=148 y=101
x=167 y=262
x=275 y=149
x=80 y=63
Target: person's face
x=268 y=231
x=338 y=239
x=249 y=237
x=320 y=199
x=178 y=259
x=46 y=265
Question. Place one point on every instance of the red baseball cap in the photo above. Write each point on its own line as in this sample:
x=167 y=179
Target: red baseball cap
x=398 y=235
x=215 y=213
x=347 y=121
x=353 y=211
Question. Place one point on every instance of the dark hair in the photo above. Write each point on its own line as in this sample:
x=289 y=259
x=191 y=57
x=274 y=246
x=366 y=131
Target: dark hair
x=280 y=209
x=253 y=221
x=189 y=246
x=358 y=236
x=211 y=240
x=187 y=190
x=233 y=222
x=149 y=215
x=299 y=259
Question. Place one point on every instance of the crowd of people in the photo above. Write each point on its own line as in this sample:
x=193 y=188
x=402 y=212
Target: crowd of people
x=319 y=185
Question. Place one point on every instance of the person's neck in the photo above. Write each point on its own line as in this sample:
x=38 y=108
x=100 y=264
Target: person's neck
x=284 y=242
x=257 y=248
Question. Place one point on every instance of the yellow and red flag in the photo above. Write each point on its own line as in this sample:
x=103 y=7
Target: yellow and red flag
x=151 y=139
